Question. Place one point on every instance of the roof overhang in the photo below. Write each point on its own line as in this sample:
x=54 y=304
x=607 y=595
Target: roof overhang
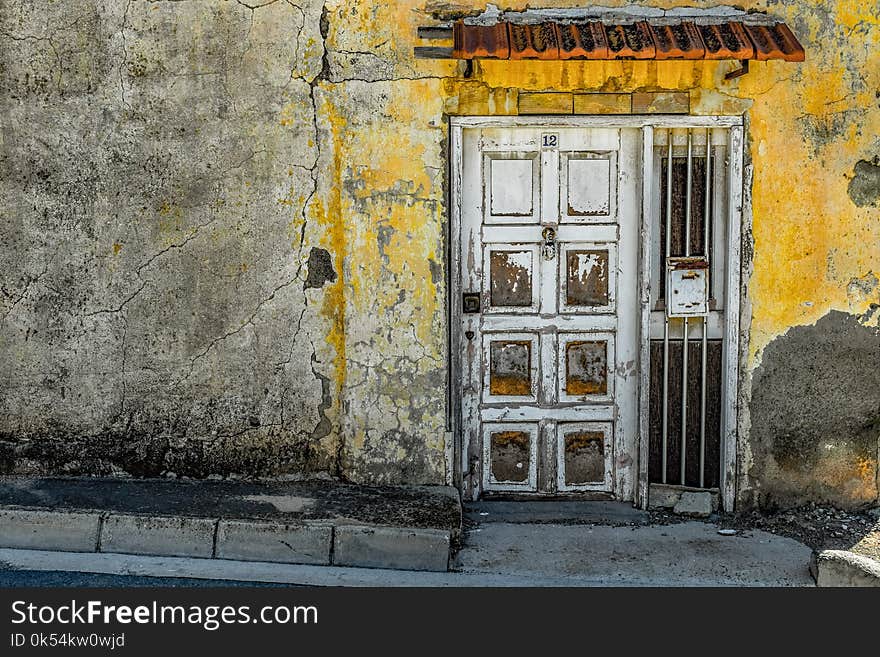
x=600 y=34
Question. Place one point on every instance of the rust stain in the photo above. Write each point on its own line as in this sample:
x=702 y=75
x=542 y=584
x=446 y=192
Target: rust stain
x=584 y=440
x=508 y=438
x=510 y=368
x=511 y=281
x=510 y=456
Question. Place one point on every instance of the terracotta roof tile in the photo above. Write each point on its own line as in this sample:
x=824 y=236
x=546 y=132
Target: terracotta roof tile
x=678 y=41
x=726 y=41
x=483 y=41
x=533 y=41
x=633 y=41
x=775 y=42
x=582 y=41
x=641 y=40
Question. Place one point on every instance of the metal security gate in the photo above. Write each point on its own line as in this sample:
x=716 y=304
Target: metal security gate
x=689 y=264
x=583 y=251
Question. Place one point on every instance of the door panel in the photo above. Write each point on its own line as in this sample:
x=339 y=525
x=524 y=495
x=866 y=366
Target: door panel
x=586 y=367
x=510 y=365
x=549 y=227
x=510 y=284
x=582 y=463
x=512 y=185
x=587 y=187
x=510 y=454
x=588 y=277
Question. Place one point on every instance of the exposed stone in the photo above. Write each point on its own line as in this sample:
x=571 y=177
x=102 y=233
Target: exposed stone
x=546 y=103
x=841 y=568
x=320 y=268
x=864 y=188
x=602 y=104
x=661 y=103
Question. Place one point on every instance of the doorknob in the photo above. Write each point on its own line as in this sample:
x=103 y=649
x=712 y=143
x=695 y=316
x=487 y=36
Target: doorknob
x=469 y=335
x=548 y=248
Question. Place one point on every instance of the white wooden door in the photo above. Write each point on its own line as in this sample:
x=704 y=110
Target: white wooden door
x=549 y=311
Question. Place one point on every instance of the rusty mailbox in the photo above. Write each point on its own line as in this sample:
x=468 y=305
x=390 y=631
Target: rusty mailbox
x=687 y=287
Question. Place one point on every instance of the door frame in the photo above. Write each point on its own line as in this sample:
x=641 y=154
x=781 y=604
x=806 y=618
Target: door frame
x=732 y=355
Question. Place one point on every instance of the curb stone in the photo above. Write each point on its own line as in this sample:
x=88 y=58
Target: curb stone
x=159 y=536
x=392 y=547
x=244 y=540
x=314 y=543
x=31 y=529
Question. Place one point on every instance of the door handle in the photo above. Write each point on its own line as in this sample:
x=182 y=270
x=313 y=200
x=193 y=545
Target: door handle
x=548 y=248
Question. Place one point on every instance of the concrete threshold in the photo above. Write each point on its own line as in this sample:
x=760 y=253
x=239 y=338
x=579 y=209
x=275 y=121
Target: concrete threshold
x=318 y=522
x=574 y=512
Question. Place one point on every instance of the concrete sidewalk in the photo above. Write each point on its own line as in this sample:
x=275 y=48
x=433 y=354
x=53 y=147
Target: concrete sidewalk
x=309 y=522
x=503 y=554
x=685 y=554
x=291 y=533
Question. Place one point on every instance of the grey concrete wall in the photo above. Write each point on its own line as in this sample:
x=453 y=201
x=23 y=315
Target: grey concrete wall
x=171 y=300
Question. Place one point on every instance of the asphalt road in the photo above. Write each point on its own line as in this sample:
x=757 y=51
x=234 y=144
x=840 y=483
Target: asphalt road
x=10 y=578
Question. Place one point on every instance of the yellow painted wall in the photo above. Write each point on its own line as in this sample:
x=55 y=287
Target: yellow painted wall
x=808 y=125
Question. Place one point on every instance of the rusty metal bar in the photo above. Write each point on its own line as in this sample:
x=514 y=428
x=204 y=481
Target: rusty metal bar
x=666 y=303
x=684 y=336
x=705 y=345
x=687 y=198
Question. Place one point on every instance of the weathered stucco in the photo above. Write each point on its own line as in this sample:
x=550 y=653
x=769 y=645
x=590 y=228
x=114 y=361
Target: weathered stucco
x=224 y=229
x=817 y=394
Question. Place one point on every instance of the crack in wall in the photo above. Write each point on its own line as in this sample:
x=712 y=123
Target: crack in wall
x=248 y=322
x=31 y=281
x=123 y=63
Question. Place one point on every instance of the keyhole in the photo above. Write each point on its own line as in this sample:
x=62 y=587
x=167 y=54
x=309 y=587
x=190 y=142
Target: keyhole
x=548 y=249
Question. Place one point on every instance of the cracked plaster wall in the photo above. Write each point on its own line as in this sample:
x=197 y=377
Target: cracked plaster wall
x=171 y=169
